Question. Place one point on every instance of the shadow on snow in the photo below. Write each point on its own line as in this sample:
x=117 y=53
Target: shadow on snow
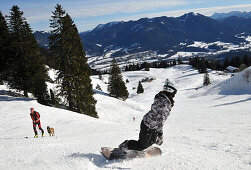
x=235 y=102
x=99 y=160
x=100 y=92
x=13 y=96
x=7 y=98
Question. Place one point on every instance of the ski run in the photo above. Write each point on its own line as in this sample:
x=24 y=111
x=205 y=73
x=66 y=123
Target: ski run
x=208 y=128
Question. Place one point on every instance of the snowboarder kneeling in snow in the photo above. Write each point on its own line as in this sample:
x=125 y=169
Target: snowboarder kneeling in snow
x=151 y=128
x=36 y=121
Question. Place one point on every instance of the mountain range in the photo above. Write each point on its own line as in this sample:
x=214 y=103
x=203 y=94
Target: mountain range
x=161 y=38
x=221 y=16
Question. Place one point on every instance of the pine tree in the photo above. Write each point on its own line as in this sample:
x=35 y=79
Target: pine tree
x=219 y=65
x=226 y=63
x=36 y=68
x=27 y=71
x=202 y=66
x=155 y=65
x=206 y=79
x=4 y=42
x=245 y=60
x=100 y=77
x=140 y=88
x=126 y=68
x=116 y=85
x=195 y=62
x=98 y=87
x=249 y=61
x=52 y=97
x=180 y=61
x=212 y=64
x=146 y=66
x=55 y=39
x=207 y=63
x=235 y=61
x=163 y=64
x=19 y=77
x=74 y=72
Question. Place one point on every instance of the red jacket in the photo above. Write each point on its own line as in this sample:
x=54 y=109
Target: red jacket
x=35 y=116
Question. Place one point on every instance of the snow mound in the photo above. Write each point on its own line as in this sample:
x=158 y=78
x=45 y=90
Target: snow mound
x=239 y=84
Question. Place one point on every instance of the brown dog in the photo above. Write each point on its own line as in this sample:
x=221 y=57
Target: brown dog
x=50 y=131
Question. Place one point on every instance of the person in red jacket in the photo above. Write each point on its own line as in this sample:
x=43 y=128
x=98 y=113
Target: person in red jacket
x=35 y=116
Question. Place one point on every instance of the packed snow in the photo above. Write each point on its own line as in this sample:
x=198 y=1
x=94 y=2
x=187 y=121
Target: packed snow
x=208 y=128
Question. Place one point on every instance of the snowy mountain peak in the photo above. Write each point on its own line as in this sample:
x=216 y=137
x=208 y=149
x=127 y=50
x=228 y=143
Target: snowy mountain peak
x=221 y=16
x=108 y=25
x=188 y=16
x=193 y=13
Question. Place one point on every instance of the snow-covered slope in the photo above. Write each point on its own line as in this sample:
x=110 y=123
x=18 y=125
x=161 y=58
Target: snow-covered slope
x=239 y=84
x=202 y=132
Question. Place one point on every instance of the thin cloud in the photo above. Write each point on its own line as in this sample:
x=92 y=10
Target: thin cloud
x=109 y=8
x=212 y=10
x=204 y=11
x=103 y=11
x=96 y=8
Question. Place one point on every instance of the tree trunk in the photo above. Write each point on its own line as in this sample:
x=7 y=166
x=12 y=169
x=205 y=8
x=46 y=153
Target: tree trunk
x=25 y=93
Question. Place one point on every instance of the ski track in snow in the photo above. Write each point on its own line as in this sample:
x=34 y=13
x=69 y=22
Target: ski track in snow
x=205 y=130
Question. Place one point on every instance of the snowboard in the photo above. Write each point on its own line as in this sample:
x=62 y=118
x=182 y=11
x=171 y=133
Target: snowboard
x=115 y=153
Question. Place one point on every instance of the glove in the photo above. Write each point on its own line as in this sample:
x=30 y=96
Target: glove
x=159 y=140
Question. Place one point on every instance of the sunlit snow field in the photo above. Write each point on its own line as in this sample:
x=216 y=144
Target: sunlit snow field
x=208 y=128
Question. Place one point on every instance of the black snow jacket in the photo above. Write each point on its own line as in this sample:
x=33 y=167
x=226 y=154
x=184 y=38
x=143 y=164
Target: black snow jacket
x=159 y=112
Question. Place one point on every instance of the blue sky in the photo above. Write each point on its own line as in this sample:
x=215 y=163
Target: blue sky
x=87 y=14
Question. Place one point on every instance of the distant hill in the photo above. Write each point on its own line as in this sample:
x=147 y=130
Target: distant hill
x=160 y=34
x=151 y=39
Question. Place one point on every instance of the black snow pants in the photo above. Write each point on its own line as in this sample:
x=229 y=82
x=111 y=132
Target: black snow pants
x=147 y=137
x=39 y=126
